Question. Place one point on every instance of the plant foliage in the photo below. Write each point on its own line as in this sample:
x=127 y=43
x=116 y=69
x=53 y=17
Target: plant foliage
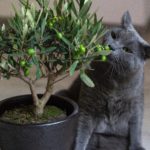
x=54 y=40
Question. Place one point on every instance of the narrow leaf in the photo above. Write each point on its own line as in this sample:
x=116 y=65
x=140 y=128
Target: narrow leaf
x=73 y=67
x=105 y=52
x=86 y=79
x=48 y=50
x=85 y=8
x=38 y=72
x=43 y=25
x=67 y=42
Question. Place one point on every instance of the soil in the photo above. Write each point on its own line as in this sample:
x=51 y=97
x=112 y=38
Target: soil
x=25 y=115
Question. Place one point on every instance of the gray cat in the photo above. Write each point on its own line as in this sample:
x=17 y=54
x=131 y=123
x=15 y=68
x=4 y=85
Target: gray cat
x=111 y=113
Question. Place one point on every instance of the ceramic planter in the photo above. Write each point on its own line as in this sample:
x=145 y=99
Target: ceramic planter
x=58 y=135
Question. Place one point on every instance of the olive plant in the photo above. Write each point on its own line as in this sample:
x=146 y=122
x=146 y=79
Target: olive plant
x=54 y=41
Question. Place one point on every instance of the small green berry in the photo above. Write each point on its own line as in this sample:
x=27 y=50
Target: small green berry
x=59 y=35
x=82 y=49
x=51 y=25
x=103 y=58
x=31 y=52
x=106 y=47
x=56 y=18
x=22 y=63
x=26 y=72
x=99 y=48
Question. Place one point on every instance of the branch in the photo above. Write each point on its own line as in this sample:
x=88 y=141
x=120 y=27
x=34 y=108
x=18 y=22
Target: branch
x=60 y=79
x=49 y=89
x=22 y=77
x=34 y=95
x=32 y=88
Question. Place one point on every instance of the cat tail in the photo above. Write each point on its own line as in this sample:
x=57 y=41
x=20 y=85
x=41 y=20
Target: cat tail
x=105 y=142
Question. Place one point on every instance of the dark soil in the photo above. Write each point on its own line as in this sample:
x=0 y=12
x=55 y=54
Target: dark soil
x=25 y=115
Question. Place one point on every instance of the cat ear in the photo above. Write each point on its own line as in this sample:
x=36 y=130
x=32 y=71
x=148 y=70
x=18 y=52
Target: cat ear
x=147 y=51
x=127 y=21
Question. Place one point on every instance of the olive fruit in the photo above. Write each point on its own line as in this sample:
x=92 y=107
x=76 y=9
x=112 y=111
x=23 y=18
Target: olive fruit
x=103 y=58
x=22 y=63
x=106 y=47
x=59 y=35
x=82 y=49
x=31 y=52
x=26 y=72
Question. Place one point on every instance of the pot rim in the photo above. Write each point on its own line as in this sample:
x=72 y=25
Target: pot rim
x=48 y=123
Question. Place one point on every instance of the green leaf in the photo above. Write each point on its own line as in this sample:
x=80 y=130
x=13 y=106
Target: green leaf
x=25 y=3
x=65 y=7
x=73 y=67
x=86 y=79
x=48 y=50
x=43 y=25
x=73 y=8
x=105 y=52
x=66 y=41
x=92 y=40
x=38 y=72
x=4 y=65
x=40 y=2
x=17 y=54
x=59 y=6
x=85 y=9
x=82 y=2
x=30 y=18
x=43 y=3
x=35 y=60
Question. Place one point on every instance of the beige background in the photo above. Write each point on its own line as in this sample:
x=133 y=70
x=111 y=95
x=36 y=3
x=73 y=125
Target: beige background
x=112 y=11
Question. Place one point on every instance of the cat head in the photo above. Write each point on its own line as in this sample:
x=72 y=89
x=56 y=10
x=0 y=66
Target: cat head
x=129 y=49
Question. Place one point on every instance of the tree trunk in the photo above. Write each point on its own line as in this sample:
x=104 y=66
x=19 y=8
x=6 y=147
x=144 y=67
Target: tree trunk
x=39 y=110
x=40 y=103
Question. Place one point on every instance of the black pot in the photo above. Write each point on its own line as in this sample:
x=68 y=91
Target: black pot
x=58 y=135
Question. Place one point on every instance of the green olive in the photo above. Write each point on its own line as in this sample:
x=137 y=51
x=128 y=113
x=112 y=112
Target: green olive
x=103 y=58
x=22 y=63
x=31 y=52
x=55 y=18
x=106 y=47
x=51 y=25
x=26 y=72
x=82 y=49
x=99 y=48
x=59 y=35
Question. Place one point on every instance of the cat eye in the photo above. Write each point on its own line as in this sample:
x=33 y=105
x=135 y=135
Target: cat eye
x=126 y=49
x=113 y=35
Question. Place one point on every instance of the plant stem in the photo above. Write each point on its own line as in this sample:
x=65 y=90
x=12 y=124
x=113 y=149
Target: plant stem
x=34 y=95
x=49 y=89
x=41 y=102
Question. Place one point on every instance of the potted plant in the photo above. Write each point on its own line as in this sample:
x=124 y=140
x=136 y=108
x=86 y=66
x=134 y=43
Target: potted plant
x=48 y=42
